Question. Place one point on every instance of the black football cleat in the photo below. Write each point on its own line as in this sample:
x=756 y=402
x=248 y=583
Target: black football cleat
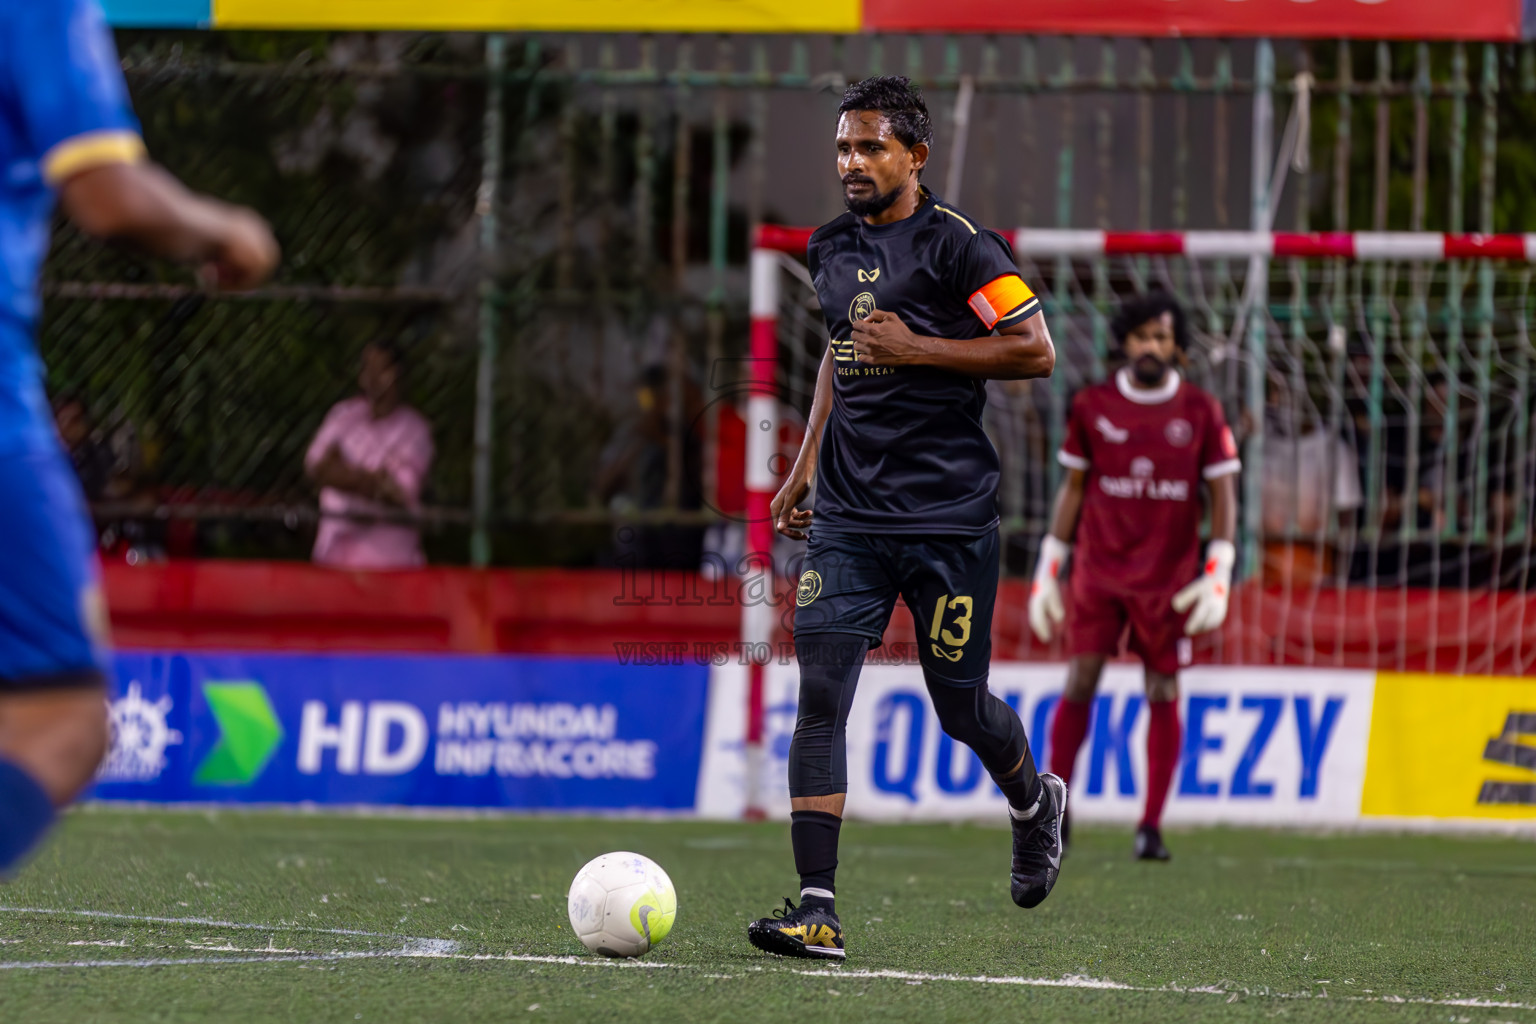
x=1149 y=844
x=1037 y=845
x=803 y=931
x=1066 y=831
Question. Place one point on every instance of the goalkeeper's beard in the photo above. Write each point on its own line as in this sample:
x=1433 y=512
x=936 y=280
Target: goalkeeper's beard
x=1150 y=371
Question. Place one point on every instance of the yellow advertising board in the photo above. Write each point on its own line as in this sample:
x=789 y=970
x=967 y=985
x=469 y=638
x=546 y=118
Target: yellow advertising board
x=529 y=15
x=1452 y=747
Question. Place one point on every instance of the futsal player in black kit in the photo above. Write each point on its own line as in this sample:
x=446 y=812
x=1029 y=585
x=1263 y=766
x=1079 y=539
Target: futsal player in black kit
x=923 y=306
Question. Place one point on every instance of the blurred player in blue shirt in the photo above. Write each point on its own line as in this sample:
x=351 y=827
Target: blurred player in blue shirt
x=68 y=136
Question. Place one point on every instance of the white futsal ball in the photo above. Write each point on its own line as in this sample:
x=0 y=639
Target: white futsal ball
x=621 y=904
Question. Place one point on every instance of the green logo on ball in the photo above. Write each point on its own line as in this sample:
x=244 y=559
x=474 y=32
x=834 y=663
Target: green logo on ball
x=652 y=916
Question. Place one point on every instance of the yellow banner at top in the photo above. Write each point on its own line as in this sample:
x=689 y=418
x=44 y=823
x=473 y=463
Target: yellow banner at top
x=543 y=16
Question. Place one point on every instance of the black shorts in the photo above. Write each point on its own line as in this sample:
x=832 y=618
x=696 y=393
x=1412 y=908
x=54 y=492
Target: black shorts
x=850 y=582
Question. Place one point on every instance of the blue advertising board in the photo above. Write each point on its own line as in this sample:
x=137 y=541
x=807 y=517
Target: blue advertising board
x=522 y=733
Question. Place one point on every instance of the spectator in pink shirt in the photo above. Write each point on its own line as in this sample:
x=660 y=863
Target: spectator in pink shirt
x=369 y=459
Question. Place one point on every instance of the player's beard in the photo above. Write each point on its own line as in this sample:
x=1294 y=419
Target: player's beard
x=877 y=203
x=1150 y=371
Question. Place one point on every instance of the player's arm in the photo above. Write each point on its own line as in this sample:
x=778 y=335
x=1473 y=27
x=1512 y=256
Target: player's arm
x=1046 y=609
x=981 y=273
x=788 y=518
x=334 y=471
x=1224 y=508
x=1021 y=350
x=1069 y=505
x=139 y=203
x=76 y=116
x=1206 y=598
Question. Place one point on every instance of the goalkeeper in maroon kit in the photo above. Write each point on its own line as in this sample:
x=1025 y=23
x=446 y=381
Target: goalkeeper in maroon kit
x=1137 y=449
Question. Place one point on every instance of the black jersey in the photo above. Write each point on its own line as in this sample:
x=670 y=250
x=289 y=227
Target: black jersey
x=903 y=449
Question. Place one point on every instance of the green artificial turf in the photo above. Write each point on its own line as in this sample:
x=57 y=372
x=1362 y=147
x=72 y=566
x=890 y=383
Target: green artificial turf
x=1243 y=925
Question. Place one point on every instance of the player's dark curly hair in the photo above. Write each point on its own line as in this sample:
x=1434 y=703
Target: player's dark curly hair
x=899 y=100
x=1138 y=309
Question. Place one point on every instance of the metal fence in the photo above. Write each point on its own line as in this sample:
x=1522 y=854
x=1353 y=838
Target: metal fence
x=555 y=229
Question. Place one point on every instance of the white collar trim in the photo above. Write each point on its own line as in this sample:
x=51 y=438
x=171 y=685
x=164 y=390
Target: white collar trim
x=1146 y=396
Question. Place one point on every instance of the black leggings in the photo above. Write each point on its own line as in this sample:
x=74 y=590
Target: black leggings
x=829 y=674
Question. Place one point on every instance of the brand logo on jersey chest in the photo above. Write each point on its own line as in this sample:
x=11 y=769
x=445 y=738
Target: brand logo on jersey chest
x=1112 y=433
x=869 y=276
x=1179 y=433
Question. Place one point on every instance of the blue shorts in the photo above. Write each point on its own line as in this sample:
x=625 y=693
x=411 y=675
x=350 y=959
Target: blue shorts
x=850 y=583
x=53 y=619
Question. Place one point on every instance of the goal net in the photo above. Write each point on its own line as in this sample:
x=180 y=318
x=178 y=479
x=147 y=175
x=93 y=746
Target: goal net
x=1380 y=388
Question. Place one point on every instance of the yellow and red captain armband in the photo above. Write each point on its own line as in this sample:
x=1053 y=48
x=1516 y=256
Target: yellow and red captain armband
x=93 y=149
x=1004 y=298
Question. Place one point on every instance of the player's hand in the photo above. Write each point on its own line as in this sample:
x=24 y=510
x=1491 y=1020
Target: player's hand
x=788 y=518
x=247 y=253
x=1209 y=594
x=883 y=340
x=1045 y=606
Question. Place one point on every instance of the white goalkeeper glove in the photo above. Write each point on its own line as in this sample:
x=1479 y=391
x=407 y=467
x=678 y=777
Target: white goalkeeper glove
x=1045 y=608
x=1209 y=594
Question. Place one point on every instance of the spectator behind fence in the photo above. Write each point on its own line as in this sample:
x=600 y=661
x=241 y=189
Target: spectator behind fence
x=641 y=464
x=1311 y=481
x=1390 y=477
x=88 y=452
x=370 y=458
x=1447 y=462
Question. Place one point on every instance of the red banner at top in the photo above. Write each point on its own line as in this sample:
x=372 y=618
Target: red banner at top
x=1487 y=20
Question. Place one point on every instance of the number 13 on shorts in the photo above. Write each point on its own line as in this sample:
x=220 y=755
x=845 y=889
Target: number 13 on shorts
x=962 y=622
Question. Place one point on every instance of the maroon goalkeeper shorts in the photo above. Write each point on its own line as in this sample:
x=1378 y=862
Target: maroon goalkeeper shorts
x=1100 y=619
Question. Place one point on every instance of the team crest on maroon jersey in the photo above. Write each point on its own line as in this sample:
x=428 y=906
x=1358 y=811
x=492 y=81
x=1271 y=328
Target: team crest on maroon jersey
x=1178 y=432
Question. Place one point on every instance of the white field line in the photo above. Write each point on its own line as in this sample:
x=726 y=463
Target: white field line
x=35 y=965
x=208 y=921
x=446 y=949
x=410 y=951
x=1069 y=981
x=1104 y=984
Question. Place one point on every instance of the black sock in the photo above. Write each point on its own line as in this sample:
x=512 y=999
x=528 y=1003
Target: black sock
x=813 y=834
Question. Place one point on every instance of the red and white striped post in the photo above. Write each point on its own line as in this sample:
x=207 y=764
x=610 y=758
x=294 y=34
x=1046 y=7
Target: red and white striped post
x=757 y=590
x=1407 y=246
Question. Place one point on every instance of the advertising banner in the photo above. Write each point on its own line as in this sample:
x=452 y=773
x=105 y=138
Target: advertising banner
x=1487 y=20
x=159 y=13
x=1261 y=746
x=521 y=733
x=531 y=15
x=1452 y=748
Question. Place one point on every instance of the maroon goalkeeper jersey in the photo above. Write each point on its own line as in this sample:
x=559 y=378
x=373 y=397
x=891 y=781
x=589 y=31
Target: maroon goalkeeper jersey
x=1144 y=453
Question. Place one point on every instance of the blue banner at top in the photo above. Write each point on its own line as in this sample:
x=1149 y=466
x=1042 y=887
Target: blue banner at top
x=159 y=13
x=519 y=733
